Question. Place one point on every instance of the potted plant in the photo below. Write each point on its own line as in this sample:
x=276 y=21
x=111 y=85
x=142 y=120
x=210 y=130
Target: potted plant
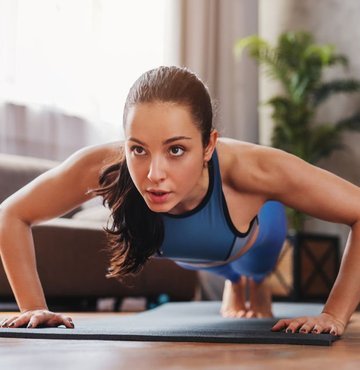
x=298 y=63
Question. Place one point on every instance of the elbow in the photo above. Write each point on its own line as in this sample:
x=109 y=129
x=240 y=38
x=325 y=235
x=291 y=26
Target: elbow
x=8 y=217
x=3 y=212
x=11 y=226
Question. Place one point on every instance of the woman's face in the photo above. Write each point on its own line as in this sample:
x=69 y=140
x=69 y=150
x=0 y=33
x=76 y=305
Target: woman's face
x=165 y=155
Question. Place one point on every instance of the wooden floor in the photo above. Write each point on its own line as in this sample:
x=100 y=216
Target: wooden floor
x=34 y=354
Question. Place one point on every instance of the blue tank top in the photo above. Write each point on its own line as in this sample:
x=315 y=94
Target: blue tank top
x=206 y=233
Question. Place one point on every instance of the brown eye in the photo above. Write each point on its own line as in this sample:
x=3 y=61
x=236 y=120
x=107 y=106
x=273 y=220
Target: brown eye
x=176 y=151
x=138 y=150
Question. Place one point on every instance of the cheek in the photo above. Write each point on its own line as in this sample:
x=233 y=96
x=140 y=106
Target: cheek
x=187 y=174
x=136 y=171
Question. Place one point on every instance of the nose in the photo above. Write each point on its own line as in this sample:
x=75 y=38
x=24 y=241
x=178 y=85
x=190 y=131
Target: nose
x=157 y=171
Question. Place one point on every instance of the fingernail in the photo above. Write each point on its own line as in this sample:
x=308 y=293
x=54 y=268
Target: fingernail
x=315 y=331
x=302 y=331
x=12 y=324
x=332 y=332
x=29 y=325
x=288 y=331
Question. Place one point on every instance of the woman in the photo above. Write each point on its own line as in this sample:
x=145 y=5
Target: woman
x=178 y=191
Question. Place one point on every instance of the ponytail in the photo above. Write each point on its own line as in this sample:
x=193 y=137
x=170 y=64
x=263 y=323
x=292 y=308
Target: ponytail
x=136 y=232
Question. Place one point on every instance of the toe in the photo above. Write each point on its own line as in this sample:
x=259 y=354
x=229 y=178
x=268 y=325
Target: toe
x=250 y=314
x=241 y=313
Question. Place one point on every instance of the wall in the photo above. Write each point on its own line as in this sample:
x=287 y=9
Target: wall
x=331 y=21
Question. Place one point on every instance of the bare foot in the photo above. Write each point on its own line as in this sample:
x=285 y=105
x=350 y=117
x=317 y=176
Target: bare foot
x=260 y=299
x=234 y=301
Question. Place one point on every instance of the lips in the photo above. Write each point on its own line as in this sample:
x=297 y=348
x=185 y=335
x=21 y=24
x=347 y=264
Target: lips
x=158 y=196
x=157 y=192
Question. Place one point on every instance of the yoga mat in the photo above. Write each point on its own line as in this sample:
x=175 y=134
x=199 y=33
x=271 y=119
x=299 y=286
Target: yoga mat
x=183 y=322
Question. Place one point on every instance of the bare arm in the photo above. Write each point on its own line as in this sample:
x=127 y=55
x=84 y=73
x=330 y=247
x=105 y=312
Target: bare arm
x=50 y=195
x=321 y=194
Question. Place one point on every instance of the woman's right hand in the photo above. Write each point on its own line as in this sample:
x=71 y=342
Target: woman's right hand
x=37 y=318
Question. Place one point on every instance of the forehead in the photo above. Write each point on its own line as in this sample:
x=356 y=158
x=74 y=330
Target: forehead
x=161 y=118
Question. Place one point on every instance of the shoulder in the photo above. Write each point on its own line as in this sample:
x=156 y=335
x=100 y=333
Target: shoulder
x=254 y=168
x=63 y=187
x=99 y=154
x=91 y=160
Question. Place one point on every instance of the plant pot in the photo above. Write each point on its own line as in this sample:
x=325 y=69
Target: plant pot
x=307 y=267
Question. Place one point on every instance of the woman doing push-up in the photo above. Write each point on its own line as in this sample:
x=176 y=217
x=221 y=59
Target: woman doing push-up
x=177 y=190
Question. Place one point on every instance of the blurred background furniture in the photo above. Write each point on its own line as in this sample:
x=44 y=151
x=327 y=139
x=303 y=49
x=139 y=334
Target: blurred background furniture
x=71 y=254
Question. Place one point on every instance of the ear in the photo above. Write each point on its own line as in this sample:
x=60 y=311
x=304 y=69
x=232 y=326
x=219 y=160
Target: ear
x=211 y=145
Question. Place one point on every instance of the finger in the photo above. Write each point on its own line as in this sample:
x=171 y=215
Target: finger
x=309 y=327
x=19 y=322
x=317 y=329
x=11 y=324
x=2 y=322
x=5 y=323
x=69 y=323
x=325 y=328
x=294 y=325
x=36 y=320
x=333 y=330
x=281 y=324
x=336 y=331
x=31 y=324
x=58 y=320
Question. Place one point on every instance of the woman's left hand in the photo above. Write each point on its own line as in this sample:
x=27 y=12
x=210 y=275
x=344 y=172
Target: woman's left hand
x=323 y=323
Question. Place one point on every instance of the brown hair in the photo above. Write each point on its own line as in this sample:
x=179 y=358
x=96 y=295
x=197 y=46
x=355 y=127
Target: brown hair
x=137 y=232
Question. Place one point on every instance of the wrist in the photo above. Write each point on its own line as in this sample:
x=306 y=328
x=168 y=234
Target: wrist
x=24 y=310
x=339 y=318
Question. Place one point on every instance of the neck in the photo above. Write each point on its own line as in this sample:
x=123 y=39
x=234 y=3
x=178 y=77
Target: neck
x=197 y=195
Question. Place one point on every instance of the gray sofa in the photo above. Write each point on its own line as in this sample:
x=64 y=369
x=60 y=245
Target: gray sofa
x=71 y=253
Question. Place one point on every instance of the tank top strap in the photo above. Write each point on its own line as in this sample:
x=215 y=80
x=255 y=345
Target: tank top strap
x=217 y=190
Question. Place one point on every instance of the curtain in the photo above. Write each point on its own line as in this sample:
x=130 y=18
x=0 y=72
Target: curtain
x=44 y=132
x=208 y=31
x=66 y=67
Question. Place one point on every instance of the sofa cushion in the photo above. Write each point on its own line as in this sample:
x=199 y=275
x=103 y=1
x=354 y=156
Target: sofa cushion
x=99 y=214
x=16 y=171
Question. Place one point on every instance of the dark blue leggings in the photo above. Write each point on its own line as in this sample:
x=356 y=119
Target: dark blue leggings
x=261 y=258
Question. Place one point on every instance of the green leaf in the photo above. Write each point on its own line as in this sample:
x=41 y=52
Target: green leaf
x=254 y=43
x=339 y=59
x=350 y=123
x=298 y=63
x=322 y=53
x=326 y=89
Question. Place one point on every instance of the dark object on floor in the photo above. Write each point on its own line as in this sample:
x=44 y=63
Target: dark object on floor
x=184 y=322
x=307 y=268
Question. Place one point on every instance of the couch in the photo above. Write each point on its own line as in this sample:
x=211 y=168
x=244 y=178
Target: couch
x=71 y=254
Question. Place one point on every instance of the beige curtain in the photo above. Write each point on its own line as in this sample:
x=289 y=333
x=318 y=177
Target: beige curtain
x=44 y=133
x=66 y=68
x=208 y=31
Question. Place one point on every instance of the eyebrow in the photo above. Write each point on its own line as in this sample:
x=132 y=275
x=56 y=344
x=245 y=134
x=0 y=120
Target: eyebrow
x=167 y=141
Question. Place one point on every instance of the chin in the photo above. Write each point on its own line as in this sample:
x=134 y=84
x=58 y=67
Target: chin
x=159 y=208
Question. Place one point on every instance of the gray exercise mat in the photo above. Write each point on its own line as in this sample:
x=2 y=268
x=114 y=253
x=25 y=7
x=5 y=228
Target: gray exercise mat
x=183 y=322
